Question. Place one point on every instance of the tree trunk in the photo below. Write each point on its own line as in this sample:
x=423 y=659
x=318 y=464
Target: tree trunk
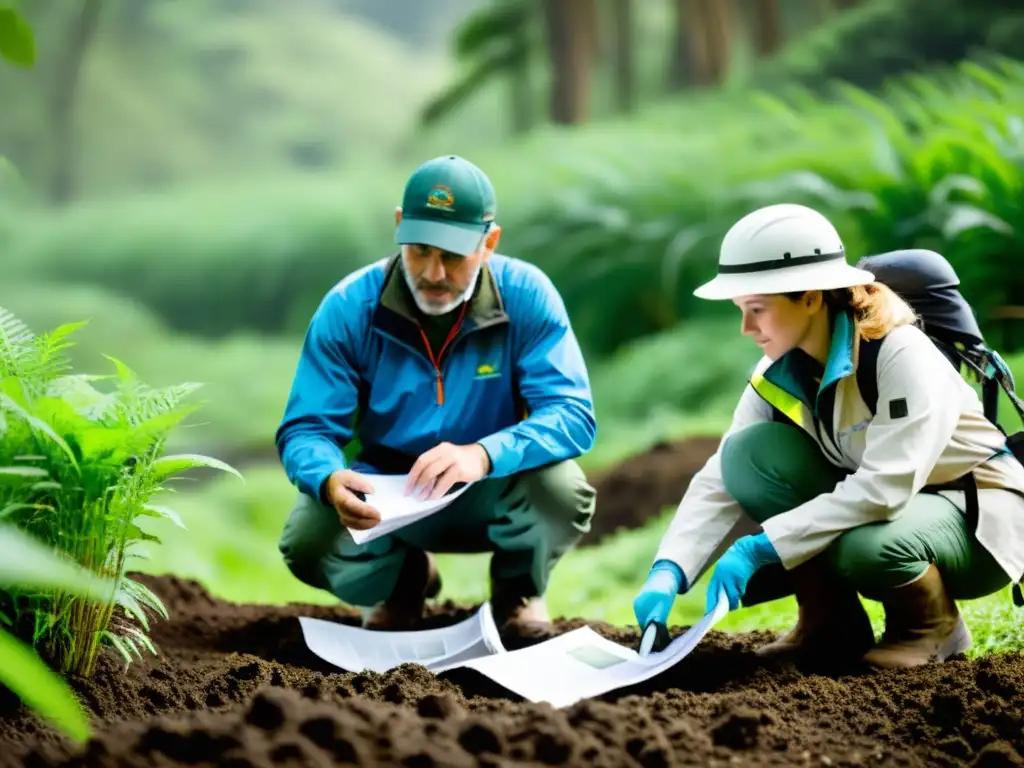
x=570 y=28
x=522 y=96
x=68 y=73
x=717 y=17
x=767 y=27
x=520 y=90
x=625 y=77
x=688 y=64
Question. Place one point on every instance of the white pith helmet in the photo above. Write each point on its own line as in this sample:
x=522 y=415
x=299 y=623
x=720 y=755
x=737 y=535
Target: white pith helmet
x=781 y=249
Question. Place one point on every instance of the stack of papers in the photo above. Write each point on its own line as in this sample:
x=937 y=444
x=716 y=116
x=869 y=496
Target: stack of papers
x=581 y=664
x=396 y=509
x=561 y=671
x=357 y=650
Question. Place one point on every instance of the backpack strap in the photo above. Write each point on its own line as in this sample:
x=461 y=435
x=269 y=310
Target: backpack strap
x=867 y=372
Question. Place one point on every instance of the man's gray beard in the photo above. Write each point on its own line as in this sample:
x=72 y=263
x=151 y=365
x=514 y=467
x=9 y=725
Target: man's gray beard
x=433 y=309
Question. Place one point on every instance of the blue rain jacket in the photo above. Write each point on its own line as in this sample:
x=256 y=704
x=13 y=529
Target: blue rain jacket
x=512 y=379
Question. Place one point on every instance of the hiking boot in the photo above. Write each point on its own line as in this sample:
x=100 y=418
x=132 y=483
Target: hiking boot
x=418 y=580
x=922 y=625
x=832 y=625
x=516 y=609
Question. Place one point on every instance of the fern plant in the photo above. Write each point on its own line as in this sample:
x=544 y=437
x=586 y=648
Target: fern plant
x=80 y=463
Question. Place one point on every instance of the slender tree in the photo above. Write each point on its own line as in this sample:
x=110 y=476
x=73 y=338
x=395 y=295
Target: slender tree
x=571 y=27
x=67 y=78
x=718 y=17
x=625 y=55
x=701 y=42
x=767 y=27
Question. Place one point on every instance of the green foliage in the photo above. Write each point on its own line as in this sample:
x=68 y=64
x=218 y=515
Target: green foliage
x=880 y=38
x=29 y=564
x=245 y=89
x=213 y=263
x=626 y=218
x=17 y=41
x=492 y=42
x=80 y=465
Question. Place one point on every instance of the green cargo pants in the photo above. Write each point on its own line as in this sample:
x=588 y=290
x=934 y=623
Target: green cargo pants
x=528 y=521
x=770 y=468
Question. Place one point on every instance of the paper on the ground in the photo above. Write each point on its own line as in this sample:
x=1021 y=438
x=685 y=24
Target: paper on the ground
x=581 y=664
x=396 y=509
x=356 y=650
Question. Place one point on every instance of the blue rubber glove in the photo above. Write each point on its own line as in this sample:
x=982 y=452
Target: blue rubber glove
x=736 y=566
x=655 y=599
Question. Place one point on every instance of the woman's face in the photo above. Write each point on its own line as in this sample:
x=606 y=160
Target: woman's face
x=777 y=323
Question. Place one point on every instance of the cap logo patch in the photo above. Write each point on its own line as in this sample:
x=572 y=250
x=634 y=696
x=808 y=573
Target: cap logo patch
x=441 y=197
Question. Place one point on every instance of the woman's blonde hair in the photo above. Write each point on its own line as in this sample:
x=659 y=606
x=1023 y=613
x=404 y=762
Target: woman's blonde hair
x=876 y=308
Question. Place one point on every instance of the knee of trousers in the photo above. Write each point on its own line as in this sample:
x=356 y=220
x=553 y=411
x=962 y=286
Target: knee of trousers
x=359 y=581
x=303 y=556
x=871 y=560
x=755 y=458
x=561 y=495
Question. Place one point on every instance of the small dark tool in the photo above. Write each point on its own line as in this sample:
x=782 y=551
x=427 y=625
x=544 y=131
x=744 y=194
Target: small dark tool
x=655 y=638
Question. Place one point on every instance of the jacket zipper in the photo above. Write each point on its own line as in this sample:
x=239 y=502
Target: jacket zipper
x=436 y=361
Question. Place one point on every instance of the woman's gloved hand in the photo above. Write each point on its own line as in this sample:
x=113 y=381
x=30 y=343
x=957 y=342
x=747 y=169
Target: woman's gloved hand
x=654 y=602
x=736 y=566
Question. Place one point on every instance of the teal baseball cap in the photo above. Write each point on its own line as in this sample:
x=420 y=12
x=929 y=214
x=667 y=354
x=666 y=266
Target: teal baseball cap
x=448 y=203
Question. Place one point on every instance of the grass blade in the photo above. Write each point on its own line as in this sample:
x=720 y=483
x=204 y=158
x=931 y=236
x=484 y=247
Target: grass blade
x=41 y=688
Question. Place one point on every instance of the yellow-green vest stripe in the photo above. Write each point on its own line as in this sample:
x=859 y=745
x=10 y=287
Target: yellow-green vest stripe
x=789 y=405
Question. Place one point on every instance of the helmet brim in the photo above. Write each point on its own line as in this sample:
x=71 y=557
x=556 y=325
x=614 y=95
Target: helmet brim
x=805 y=277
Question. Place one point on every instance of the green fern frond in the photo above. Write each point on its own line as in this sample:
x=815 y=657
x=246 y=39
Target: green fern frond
x=17 y=344
x=50 y=358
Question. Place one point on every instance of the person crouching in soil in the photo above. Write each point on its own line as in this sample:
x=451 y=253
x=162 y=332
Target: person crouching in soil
x=820 y=498
x=452 y=364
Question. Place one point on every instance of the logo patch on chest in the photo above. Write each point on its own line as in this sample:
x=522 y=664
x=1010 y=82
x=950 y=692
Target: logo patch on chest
x=486 y=371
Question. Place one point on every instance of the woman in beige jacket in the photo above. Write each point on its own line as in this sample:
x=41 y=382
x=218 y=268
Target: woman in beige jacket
x=835 y=501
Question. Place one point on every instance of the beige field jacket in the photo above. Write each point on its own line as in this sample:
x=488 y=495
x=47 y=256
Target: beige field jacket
x=940 y=436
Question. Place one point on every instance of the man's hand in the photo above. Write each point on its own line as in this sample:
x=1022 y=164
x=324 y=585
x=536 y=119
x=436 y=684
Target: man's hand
x=437 y=470
x=342 y=487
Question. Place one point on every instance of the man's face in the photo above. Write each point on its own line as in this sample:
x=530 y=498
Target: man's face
x=439 y=280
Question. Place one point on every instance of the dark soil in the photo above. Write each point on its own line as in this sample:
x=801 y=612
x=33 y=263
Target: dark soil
x=234 y=686
x=637 y=489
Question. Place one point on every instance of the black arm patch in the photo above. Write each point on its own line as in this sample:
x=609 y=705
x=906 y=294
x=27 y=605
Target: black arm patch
x=898 y=408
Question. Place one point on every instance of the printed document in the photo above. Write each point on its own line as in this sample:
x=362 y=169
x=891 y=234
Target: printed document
x=581 y=664
x=355 y=649
x=396 y=509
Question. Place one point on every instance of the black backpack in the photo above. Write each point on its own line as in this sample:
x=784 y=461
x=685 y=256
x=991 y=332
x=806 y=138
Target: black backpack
x=928 y=283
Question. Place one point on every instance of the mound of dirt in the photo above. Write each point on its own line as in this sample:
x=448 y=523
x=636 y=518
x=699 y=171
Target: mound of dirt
x=637 y=489
x=234 y=686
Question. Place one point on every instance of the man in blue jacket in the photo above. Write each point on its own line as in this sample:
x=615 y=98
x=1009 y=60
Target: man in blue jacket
x=453 y=364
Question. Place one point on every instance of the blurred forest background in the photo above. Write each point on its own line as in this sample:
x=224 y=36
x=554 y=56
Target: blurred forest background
x=193 y=175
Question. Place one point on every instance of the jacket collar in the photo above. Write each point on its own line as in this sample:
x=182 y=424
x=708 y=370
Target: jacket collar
x=803 y=377
x=397 y=315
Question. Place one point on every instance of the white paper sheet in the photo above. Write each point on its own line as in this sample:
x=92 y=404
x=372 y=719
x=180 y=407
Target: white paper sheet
x=396 y=509
x=356 y=650
x=581 y=664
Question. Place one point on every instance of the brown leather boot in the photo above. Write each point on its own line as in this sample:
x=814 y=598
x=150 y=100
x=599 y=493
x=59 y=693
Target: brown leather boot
x=516 y=609
x=418 y=580
x=832 y=626
x=922 y=625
